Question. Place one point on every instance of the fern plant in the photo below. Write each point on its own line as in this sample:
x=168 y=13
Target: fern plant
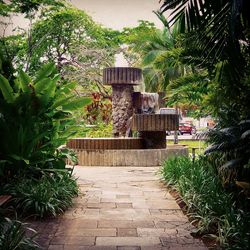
x=36 y=118
x=232 y=145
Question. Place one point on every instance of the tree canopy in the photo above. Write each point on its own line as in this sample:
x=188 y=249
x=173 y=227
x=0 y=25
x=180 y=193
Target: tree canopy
x=218 y=37
x=69 y=37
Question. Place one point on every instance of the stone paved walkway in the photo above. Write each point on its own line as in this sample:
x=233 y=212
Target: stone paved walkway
x=121 y=208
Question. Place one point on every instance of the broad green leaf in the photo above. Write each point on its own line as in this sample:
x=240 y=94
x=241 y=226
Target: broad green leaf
x=24 y=80
x=17 y=85
x=61 y=115
x=66 y=89
x=61 y=101
x=77 y=103
x=42 y=85
x=45 y=71
x=6 y=89
x=19 y=158
x=50 y=91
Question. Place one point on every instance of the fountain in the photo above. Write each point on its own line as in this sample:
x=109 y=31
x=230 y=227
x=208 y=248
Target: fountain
x=131 y=111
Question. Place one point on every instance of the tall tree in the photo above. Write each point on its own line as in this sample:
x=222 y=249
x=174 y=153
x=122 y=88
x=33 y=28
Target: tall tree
x=220 y=31
x=159 y=52
x=78 y=46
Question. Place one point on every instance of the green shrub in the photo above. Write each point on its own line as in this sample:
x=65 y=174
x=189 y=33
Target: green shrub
x=230 y=151
x=208 y=204
x=48 y=196
x=13 y=236
x=36 y=118
x=101 y=130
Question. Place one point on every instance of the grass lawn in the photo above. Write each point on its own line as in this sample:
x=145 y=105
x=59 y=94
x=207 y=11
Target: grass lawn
x=191 y=144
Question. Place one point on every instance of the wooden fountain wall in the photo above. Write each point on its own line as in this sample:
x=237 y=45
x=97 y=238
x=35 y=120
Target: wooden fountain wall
x=129 y=151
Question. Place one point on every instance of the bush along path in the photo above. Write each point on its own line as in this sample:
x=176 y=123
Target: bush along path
x=37 y=117
x=220 y=214
x=120 y=208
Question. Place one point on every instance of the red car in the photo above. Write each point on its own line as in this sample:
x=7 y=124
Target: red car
x=186 y=128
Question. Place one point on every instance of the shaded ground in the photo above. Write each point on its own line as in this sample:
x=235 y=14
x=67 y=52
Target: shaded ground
x=121 y=208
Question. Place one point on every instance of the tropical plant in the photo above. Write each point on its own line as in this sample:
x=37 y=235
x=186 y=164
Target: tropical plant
x=190 y=92
x=99 y=110
x=13 y=235
x=132 y=37
x=233 y=147
x=50 y=195
x=160 y=52
x=213 y=210
x=222 y=24
x=220 y=31
x=36 y=118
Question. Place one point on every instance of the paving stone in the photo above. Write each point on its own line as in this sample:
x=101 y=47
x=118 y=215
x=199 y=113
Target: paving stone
x=126 y=232
x=55 y=247
x=124 y=205
x=154 y=248
x=78 y=223
x=128 y=241
x=88 y=232
x=125 y=224
x=185 y=247
x=169 y=217
x=92 y=211
x=121 y=208
x=93 y=200
x=102 y=248
x=121 y=196
x=115 y=223
x=171 y=224
x=73 y=247
x=87 y=241
x=109 y=200
x=124 y=214
x=129 y=248
x=144 y=232
x=140 y=204
x=101 y=205
x=164 y=204
x=80 y=247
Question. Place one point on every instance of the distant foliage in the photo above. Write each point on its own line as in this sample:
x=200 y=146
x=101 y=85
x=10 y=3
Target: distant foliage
x=99 y=110
x=67 y=36
x=100 y=130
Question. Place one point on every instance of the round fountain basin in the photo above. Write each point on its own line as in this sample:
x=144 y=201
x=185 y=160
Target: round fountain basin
x=105 y=143
x=128 y=157
x=155 y=122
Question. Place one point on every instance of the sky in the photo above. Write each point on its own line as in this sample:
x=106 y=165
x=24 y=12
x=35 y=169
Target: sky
x=117 y=14
x=114 y=14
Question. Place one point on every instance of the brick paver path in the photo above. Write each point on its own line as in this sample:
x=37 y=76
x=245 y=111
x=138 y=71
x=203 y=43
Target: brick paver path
x=120 y=208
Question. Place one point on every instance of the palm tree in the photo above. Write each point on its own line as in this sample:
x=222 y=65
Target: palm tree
x=221 y=27
x=161 y=56
x=221 y=32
